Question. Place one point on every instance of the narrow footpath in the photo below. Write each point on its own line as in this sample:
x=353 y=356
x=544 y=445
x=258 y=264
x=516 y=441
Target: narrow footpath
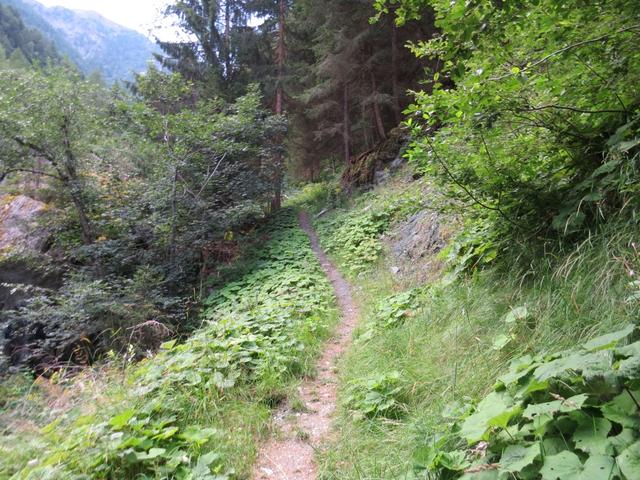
x=290 y=455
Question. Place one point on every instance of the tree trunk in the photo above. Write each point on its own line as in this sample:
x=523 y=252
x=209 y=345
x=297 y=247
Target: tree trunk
x=366 y=130
x=72 y=183
x=227 y=39
x=394 y=72
x=88 y=236
x=281 y=52
x=377 y=114
x=174 y=217
x=346 y=125
x=281 y=55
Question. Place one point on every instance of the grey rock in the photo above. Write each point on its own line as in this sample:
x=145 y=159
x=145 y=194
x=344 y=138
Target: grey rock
x=414 y=246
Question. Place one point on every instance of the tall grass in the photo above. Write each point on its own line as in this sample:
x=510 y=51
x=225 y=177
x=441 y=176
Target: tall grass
x=445 y=350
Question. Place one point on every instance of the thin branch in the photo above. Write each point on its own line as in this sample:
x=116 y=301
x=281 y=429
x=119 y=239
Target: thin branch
x=573 y=109
x=466 y=190
x=27 y=170
x=212 y=174
x=567 y=48
x=35 y=148
x=605 y=82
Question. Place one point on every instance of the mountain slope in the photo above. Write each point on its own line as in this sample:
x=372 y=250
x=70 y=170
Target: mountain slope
x=90 y=40
x=16 y=37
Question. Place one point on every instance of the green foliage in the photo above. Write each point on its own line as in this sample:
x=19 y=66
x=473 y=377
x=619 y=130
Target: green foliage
x=16 y=38
x=532 y=112
x=319 y=196
x=392 y=312
x=354 y=237
x=136 y=185
x=476 y=246
x=454 y=337
x=169 y=419
x=377 y=397
x=86 y=318
x=259 y=327
x=573 y=414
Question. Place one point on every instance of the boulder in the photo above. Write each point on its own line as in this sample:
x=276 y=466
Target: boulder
x=19 y=224
x=376 y=165
x=414 y=246
x=24 y=268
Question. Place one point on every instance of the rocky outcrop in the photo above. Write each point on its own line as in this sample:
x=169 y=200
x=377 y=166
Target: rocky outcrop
x=23 y=267
x=21 y=241
x=19 y=224
x=414 y=246
x=376 y=165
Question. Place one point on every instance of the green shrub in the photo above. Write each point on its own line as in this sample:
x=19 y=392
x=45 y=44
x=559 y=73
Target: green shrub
x=377 y=397
x=573 y=414
x=195 y=409
x=354 y=237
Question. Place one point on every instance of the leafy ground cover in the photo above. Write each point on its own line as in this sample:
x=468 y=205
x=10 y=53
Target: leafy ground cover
x=196 y=409
x=497 y=373
x=352 y=235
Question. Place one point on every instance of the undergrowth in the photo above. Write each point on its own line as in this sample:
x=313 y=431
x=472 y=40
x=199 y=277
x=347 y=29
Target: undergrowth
x=432 y=352
x=352 y=236
x=196 y=410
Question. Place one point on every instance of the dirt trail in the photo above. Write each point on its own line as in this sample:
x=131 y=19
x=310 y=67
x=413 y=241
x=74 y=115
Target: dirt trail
x=291 y=455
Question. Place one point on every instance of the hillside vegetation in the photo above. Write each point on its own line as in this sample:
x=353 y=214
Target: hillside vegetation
x=516 y=339
x=22 y=44
x=197 y=407
x=491 y=243
x=93 y=43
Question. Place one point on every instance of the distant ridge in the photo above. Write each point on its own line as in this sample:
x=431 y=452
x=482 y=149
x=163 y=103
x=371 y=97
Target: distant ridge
x=91 y=41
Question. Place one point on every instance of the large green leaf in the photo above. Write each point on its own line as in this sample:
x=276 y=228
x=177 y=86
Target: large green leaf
x=455 y=461
x=549 y=408
x=609 y=340
x=599 y=467
x=590 y=364
x=623 y=410
x=591 y=436
x=152 y=454
x=490 y=474
x=629 y=462
x=495 y=410
x=624 y=439
x=517 y=457
x=567 y=466
x=518 y=369
x=563 y=466
x=120 y=421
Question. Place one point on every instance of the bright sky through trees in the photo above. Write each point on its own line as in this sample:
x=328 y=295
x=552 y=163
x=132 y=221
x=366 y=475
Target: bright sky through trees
x=141 y=15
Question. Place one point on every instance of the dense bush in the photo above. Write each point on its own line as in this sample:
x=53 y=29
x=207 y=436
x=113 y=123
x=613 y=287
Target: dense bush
x=532 y=117
x=140 y=187
x=86 y=317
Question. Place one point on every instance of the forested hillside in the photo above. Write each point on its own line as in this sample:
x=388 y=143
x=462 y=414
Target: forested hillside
x=22 y=44
x=93 y=43
x=372 y=239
